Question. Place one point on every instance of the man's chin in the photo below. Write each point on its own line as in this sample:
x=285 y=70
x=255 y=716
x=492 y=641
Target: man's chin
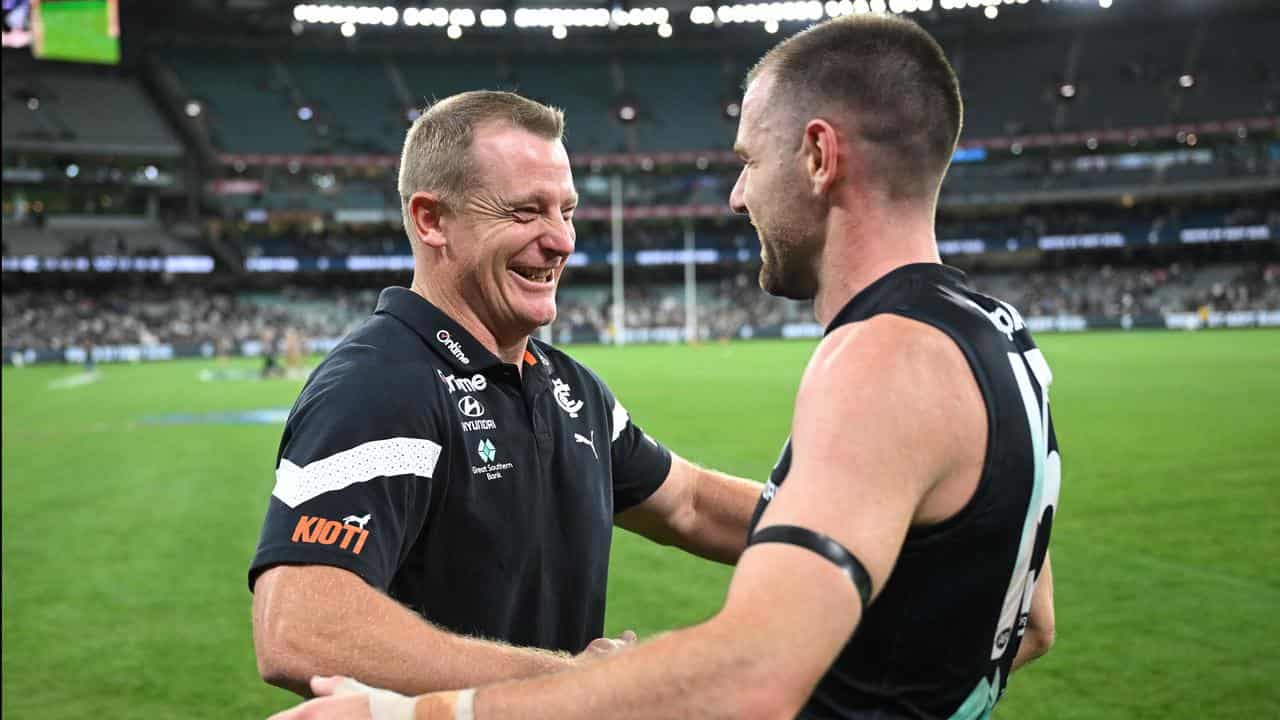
x=534 y=318
x=790 y=288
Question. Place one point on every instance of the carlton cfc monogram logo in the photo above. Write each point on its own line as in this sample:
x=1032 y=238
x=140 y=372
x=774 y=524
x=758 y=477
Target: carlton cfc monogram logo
x=561 y=392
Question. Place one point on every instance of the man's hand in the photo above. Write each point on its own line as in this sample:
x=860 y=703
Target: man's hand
x=604 y=647
x=342 y=697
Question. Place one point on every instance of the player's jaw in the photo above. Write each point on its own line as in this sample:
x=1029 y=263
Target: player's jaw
x=788 y=246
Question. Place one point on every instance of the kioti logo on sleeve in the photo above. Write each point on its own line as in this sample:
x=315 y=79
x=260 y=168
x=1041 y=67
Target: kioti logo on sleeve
x=322 y=531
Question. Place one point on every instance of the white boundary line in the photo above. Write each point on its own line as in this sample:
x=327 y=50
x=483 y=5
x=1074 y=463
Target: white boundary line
x=71 y=382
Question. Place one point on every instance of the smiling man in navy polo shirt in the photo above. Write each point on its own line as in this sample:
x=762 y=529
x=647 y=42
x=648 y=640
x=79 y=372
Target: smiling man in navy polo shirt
x=446 y=486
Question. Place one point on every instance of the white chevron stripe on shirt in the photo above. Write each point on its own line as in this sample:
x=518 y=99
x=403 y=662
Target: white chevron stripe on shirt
x=362 y=463
x=620 y=419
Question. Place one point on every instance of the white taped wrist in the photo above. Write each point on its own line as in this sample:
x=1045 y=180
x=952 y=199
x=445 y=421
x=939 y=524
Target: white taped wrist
x=387 y=705
x=465 y=707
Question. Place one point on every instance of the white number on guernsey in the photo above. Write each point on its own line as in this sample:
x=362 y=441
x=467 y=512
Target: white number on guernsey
x=1044 y=494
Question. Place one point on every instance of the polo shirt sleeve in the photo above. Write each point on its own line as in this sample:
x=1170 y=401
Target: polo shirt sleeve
x=353 y=474
x=640 y=463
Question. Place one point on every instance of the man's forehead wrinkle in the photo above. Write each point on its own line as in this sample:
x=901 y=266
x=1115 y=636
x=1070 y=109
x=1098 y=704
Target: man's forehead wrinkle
x=486 y=201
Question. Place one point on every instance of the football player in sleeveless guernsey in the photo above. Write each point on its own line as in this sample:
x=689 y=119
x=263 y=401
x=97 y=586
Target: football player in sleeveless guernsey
x=898 y=562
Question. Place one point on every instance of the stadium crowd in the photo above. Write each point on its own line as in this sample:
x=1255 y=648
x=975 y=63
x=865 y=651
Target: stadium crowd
x=731 y=306
x=75 y=318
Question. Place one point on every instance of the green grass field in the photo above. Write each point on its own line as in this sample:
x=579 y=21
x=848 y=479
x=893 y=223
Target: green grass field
x=126 y=543
x=79 y=32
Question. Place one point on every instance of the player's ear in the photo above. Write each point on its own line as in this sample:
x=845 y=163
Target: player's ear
x=821 y=150
x=425 y=213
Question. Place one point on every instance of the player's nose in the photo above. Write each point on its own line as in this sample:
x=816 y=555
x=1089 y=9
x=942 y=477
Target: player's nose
x=737 y=197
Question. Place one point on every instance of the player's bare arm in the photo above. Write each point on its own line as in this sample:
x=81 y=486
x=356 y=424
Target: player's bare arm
x=320 y=620
x=699 y=510
x=1038 y=638
x=789 y=610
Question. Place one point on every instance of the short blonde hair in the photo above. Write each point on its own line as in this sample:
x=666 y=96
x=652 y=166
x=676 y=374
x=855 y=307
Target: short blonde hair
x=437 y=149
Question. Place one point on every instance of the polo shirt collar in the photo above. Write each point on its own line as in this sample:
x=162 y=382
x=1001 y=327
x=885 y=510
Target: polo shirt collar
x=535 y=359
x=439 y=331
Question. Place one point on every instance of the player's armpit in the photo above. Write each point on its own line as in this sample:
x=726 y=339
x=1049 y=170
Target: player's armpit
x=699 y=510
x=1039 y=635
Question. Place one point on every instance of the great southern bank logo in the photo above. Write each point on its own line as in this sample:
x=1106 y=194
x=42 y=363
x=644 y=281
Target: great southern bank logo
x=454 y=346
x=486 y=450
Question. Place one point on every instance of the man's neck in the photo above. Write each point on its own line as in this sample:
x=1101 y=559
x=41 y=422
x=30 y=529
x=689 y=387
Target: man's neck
x=857 y=253
x=507 y=350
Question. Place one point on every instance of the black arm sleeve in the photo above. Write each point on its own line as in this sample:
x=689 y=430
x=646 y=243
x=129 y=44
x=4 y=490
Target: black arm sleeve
x=353 y=474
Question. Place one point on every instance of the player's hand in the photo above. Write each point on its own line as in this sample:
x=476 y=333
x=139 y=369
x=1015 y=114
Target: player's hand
x=341 y=698
x=604 y=647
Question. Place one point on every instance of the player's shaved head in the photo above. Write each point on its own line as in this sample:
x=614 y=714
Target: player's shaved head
x=883 y=80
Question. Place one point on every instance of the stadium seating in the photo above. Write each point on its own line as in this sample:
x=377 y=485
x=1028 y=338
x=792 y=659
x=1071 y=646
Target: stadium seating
x=87 y=236
x=82 y=111
x=1010 y=82
x=1122 y=85
x=680 y=100
x=356 y=97
x=247 y=111
x=584 y=91
x=431 y=78
x=1237 y=72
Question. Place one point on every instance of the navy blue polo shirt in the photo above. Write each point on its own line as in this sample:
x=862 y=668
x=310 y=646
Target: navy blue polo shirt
x=482 y=499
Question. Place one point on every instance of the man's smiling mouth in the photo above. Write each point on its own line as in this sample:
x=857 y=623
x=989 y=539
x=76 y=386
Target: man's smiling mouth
x=534 y=274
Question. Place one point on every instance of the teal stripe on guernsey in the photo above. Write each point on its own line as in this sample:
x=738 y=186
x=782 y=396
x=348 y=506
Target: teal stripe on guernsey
x=980 y=702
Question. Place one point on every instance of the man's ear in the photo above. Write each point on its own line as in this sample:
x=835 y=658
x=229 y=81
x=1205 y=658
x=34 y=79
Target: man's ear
x=425 y=213
x=821 y=150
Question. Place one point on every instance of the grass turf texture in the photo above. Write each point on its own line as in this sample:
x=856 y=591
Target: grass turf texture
x=125 y=544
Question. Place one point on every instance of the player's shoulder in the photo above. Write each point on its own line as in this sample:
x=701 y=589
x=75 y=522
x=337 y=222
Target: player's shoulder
x=374 y=378
x=961 y=312
x=899 y=377
x=887 y=349
x=885 y=338
x=358 y=395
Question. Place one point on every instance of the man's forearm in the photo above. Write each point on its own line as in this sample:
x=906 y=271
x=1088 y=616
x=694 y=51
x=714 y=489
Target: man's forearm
x=708 y=671
x=329 y=622
x=723 y=505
